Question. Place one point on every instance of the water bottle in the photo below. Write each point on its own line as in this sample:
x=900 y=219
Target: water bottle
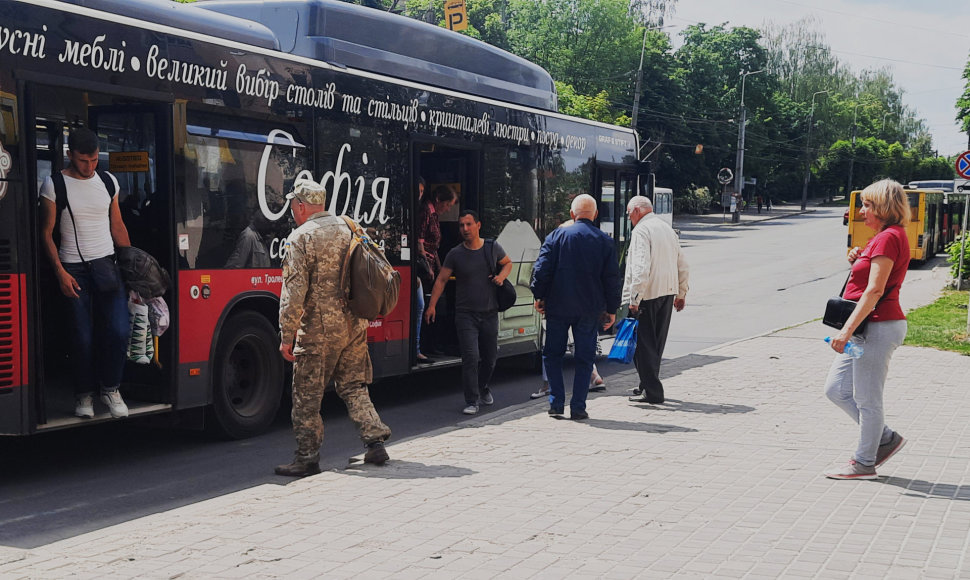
x=851 y=349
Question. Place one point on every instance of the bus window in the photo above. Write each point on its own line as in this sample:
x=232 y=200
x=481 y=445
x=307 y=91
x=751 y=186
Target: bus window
x=223 y=223
x=607 y=202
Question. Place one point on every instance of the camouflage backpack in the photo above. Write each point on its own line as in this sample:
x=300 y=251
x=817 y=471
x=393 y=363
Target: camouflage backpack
x=374 y=285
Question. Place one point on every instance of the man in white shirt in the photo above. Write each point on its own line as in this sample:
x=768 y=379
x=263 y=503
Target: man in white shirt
x=654 y=284
x=90 y=228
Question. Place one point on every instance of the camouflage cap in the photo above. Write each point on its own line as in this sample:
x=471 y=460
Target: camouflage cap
x=308 y=191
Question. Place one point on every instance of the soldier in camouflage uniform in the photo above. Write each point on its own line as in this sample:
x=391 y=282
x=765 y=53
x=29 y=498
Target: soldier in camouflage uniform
x=330 y=341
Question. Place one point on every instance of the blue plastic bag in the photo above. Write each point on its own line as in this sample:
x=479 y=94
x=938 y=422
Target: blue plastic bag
x=625 y=343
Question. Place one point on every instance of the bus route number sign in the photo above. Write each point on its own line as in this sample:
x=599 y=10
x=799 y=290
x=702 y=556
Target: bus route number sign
x=963 y=164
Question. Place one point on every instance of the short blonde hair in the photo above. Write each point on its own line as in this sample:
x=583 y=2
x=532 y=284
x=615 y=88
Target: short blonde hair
x=890 y=204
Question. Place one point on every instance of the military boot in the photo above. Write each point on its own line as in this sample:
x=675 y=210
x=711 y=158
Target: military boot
x=299 y=468
x=376 y=453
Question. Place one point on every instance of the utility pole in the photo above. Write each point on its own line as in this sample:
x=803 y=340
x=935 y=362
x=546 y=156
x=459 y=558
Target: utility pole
x=739 y=162
x=636 y=94
x=808 y=159
x=848 y=187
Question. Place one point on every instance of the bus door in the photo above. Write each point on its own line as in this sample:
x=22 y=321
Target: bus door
x=614 y=189
x=136 y=148
x=442 y=164
x=133 y=147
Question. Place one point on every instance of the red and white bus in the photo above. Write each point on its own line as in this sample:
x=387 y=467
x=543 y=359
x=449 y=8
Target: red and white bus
x=206 y=114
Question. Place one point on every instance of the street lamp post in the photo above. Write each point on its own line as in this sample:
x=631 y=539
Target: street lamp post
x=739 y=163
x=887 y=114
x=808 y=159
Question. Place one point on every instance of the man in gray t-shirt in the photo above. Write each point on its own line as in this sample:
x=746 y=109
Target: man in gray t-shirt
x=473 y=264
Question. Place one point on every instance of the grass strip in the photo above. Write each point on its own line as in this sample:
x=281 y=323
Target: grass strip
x=941 y=325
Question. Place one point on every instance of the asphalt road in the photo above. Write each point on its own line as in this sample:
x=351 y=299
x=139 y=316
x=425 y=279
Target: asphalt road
x=750 y=278
x=745 y=280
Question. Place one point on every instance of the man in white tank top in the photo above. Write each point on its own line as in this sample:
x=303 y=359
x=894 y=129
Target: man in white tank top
x=90 y=228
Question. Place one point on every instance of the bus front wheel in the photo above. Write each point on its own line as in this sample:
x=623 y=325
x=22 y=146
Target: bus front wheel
x=247 y=381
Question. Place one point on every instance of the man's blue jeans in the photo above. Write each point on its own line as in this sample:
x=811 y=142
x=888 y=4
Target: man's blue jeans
x=100 y=312
x=584 y=341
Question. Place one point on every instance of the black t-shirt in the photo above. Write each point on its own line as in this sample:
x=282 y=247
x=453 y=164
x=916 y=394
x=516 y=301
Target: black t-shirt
x=475 y=292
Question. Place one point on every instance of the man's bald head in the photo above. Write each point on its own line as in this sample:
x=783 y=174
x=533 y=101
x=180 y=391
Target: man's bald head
x=583 y=207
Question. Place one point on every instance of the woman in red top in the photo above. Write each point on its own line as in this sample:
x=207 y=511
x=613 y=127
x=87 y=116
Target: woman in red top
x=878 y=270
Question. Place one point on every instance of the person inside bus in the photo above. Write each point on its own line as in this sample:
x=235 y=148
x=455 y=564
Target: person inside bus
x=856 y=385
x=90 y=227
x=424 y=277
x=433 y=204
x=251 y=250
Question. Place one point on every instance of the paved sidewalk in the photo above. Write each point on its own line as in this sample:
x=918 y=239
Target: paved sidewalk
x=723 y=481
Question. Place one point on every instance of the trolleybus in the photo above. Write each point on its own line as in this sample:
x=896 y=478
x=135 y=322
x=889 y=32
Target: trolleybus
x=927 y=230
x=207 y=113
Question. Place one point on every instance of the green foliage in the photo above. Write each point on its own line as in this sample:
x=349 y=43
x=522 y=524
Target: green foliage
x=596 y=107
x=953 y=253
x=941 y=325
x=963 y=103
x=695 y=200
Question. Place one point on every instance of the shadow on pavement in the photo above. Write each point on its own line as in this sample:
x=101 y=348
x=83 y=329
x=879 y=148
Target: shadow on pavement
x=395 y=469
x=930 y=490
x=706 y=408
x=692 y=361
x=631 y=426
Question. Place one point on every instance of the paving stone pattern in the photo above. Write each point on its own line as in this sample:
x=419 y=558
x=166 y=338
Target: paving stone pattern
x=723 y=481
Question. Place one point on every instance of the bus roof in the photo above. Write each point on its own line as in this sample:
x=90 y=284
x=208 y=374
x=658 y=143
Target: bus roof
x=374 y=40
x=187 y=17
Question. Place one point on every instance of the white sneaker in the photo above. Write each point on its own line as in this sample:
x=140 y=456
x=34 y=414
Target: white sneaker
x=470 y=410
x=85 y=407
x=115 y=404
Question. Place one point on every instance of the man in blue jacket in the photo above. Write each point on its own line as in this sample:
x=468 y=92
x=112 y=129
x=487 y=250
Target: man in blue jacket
x=576 y=284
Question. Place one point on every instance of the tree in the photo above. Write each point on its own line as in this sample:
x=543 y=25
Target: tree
x=963 y=103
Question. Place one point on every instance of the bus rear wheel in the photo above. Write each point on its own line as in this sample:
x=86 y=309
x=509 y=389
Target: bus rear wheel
x=247 y=380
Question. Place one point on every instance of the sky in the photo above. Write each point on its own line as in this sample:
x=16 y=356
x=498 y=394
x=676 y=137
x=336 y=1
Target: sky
x=925 y=44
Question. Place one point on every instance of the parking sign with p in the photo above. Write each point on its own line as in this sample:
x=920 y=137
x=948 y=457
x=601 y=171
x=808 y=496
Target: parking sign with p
x=456 y=15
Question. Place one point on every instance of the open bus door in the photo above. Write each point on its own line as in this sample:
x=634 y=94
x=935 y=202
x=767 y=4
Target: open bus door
x=440 y=163
x=613 y=190
x=135 y=147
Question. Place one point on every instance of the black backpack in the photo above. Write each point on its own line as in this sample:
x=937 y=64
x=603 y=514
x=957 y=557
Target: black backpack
x=142 y=272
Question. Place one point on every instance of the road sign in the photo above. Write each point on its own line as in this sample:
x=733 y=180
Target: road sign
x=726 y=176
x=455 y=15
x=961 y=185
x=963 y=165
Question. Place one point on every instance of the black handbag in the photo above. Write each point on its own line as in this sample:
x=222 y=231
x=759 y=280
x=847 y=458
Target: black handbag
x=504 y=294
x=838 y=310
x=837 y=313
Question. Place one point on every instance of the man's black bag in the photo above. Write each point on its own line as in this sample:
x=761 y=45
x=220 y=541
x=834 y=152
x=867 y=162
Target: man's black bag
x=142 y=272
x=374 y=283
x=504 y=294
